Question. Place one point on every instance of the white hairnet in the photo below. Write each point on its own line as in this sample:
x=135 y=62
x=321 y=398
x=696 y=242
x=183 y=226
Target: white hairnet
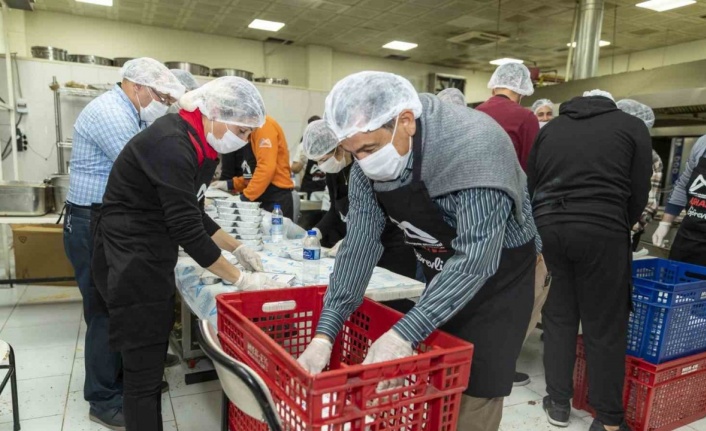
x=151 y=73
x=598 y=92
x=541 y=103
x=186 y=79
x=453 y=96
x=228 y=99
x=639 y=110
x=513 y=76
x=318 y=140
x=365 y=101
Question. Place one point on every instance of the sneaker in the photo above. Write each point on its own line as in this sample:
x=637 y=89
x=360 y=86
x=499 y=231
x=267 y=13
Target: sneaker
x=598 y=426
x=557 y=414
x=171 y=360
x=111 y=419
x=521 y=379
x=165 y=387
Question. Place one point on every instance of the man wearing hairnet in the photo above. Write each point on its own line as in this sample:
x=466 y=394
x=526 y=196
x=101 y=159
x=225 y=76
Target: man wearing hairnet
x=101 y=131
x=510 y=83
x=153 y=204
x=645 y=113
x=544 y=110
x=452 y=95
x=186 y=79
x=589 y=177
x=449 y=178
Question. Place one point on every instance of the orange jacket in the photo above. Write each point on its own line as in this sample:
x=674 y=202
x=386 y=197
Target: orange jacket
x=270 y=148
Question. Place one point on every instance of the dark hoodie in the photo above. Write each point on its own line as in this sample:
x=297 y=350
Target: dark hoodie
x=591 y=164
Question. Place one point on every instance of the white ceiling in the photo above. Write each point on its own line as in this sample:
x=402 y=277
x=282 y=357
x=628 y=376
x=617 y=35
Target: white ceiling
x=538 y=30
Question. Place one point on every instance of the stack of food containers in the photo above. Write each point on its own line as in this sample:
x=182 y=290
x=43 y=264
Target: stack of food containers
x=241 y=220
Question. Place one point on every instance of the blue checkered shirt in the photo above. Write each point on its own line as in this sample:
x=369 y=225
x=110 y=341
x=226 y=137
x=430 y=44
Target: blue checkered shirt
x=101 y=131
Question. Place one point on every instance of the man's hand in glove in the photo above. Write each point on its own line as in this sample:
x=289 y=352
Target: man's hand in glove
x=316 y=356
x=389 y=347
x=254 y=281
x=334 y=250
x=220 y=185
x=249 y=259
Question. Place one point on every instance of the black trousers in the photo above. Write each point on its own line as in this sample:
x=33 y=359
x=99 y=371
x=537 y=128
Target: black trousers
x=143 y=368
x=591 y=274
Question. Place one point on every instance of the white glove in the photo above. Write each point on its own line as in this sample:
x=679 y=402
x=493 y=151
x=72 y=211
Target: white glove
x=248 y=258
x=334 y=250
x=256 y=281
x=292 y=230
x=316 y=356
x=220 y=185
x=318 y=233
x=661 y=233
x=389 y=347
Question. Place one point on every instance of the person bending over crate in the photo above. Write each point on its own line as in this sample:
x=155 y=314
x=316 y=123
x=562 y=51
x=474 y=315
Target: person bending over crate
x=449 y=178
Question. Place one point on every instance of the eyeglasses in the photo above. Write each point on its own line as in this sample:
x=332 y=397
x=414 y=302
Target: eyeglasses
x=161 y=98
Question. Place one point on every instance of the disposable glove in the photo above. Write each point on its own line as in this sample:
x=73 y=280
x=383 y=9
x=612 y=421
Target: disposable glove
x=220 y=185
x=661 y=233
x=249 y=259
x=334 y=250
x=316 y=356
x=318 y=233
x=389 y=347
x=255 y=281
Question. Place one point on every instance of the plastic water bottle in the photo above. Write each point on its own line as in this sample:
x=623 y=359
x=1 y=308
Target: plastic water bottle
x=312 y=255
x=277 y=229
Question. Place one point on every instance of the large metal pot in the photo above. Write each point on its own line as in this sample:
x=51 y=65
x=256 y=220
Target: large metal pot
x=49 y=53
x=19 y=198
x=277 y=81
x=232 y=72
x=195 y=69
x=90 y=59
x=60 y=184
x=120 y=61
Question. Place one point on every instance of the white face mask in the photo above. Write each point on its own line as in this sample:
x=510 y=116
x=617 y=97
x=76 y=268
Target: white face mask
x=542 y=124
x=227 y=144
x=386 y=164
x=333 y=165
x=153 y=110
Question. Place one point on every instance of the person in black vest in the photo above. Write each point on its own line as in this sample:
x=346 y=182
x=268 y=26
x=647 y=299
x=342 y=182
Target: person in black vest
x=153 y=204
x=314 y=179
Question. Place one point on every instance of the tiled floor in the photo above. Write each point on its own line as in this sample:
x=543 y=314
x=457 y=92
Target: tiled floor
x=44 y=326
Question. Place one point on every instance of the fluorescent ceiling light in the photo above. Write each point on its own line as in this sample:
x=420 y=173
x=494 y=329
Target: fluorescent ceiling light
x=98 y=2
x=400 y=46
x=261 y=24
x=662 y=5
x=602 y=43
x=501 y=61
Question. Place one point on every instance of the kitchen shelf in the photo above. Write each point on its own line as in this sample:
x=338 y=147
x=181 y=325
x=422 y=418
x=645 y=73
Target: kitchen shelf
x=79 y=92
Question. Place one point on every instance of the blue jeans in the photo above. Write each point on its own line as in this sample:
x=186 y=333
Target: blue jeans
x=103 y=387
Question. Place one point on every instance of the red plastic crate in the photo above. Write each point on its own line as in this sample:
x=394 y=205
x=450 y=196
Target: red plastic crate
x=267 y=330
x=656 y=397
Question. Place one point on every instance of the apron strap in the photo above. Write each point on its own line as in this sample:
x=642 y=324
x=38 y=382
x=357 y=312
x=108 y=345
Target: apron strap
x=417 y=153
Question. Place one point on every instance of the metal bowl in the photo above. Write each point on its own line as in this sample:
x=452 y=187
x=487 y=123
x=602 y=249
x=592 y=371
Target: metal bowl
x=247 y=230
x=231 y=72
x=90 y=59
x=195 y=69
x=247 y=224
x=120 y=61
x=49 y=53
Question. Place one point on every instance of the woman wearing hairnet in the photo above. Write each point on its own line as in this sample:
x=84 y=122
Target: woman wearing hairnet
x=152 y=205
x=544 y=110
x=450 y=179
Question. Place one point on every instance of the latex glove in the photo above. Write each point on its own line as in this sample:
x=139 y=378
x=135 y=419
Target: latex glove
x=249 y=259
x=389 y=347
x=334 y=250
x=220 y=185
x=254 y=281
x=661 y=233
x=293 y=230
x=316 y=356
x=318 y=233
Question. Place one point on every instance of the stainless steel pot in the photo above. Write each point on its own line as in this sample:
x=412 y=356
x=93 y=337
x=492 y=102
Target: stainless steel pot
x=195 y=69
x=277 y=81
x=20 y=198
x=60 y=185
x=90 y=59
x=120 y=61
x=49 y=53
x=232 y=72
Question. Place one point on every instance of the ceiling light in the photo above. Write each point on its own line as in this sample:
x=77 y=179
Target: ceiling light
x=501 y=61
x=662 y=5
x=602 y=43
x=261 y=24
x=98 y=2
x=400 y=46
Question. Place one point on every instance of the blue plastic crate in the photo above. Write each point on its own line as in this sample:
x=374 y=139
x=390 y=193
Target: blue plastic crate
x=669 y=310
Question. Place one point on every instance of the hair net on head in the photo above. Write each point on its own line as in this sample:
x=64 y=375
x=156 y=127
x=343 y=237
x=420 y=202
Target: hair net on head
x=453 y=96
x=228 y=99
x=513 y=76
x=598 y=92
x=541 y=103
x=365 y=101
x=318 y=140
x=186 y=79
x=639 y=110
x=151 y=73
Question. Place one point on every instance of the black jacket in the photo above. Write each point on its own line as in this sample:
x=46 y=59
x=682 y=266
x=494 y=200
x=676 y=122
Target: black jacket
x=231 y=165
x=591 y=164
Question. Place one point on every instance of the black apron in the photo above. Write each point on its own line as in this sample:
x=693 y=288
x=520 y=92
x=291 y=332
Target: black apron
x=314 y=179
x=690 y=242
x=133 y=267
x=273 y=194
x=496 y=318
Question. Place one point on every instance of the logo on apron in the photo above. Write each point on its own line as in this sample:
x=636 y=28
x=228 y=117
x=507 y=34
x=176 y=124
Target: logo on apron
x=698 y=183
x=202 y=192
x=344 y=218
x=412 y=233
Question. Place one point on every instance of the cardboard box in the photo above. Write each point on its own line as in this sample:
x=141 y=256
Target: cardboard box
x=39 y=253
